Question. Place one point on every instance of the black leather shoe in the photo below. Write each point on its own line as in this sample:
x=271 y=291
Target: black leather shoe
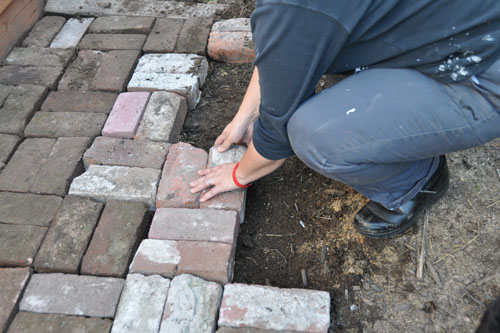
x=376 y=221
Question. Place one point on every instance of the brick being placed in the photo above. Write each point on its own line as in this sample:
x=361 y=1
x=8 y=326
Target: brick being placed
x=69 y=294
x=122 y=25
x=103 y=183
x=36 y=56
x=271 y=308
x=208 y=260
x=191 y=306
x=79 y=101
x=183 y=162
x=126 y=115
x=30 y=322
x=163 y=119
x=12 y=284
x=71 y=33
x=44 y=31
x=231 y=41
x=234 y=200
x=183 y=74
x=129 y=153
x=141 y=304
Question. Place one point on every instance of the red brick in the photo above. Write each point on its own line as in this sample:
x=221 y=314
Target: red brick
x=164 y=35
x=235 y=47
x=12 y=283
x=44 y=31
x=208 y=260
x=30 y=322
x=195 y=225
x=79 y=101
x=115 y=70
x=183 y=162
x=126 y=115
x=119 y=232
x=19 y=244
x=194 y=35
x=109 y=42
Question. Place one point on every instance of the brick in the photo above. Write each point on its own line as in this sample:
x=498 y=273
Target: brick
x=195 y=225
x=108 y=42
x=61 y=166
x=81 y=71
x=141 y=304
x=270 y=308
x=248 y=330
x=35 y=56
x=12 y=283
x=164 y=35
x=115 y=71
x=130 y=153
x=25 y=208
x=183 y=162
x=146 y=8
x=7 y=145
x=23 y=167
x=122 y=25
x=19 y=243
x=234 y=200
x=105 y=183
x=191 y=306
x=79 y=101
x=71 y=33
x=163 y=118
x=44 y=31
x=236 y=24
x=72 y=295
x=65 y=124
x=118 y=234
x=235 y=47
x=126 y=115
x=29 y=322
x=18 y=105
x=194 y=35
x=67 y=239
x=208 y=260
x=39 y=76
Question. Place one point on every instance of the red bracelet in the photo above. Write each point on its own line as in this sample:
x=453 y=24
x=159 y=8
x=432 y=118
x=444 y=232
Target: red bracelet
x=236 y=180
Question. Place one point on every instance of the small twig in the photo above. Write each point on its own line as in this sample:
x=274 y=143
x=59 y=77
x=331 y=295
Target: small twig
x=470 y=203
x=304 y=276
x=255 y=262
x=456 y=250
x=475 y=300
x=273 y=235
x=493 y=204
x=421 y=258
x=325 y=218
x=323 y=253
x=433 y=273
x=296 y=207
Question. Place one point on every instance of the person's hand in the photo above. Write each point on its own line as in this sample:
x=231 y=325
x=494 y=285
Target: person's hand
x=235 y=132
x=220 y=177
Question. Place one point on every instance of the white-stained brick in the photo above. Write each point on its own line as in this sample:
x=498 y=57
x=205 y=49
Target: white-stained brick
x=71 y=33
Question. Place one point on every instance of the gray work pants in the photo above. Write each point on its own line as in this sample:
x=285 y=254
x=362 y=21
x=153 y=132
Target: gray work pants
x=380 y=130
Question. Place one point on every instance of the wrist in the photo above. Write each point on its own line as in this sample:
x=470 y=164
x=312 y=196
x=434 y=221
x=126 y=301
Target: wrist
x=239 y=179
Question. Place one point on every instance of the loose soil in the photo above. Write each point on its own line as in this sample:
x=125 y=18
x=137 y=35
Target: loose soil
x=299 y=220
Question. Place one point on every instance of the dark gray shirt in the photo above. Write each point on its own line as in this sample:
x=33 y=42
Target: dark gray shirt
x=297 y=41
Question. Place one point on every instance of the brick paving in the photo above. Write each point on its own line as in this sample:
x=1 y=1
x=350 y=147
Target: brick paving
x=94 y=185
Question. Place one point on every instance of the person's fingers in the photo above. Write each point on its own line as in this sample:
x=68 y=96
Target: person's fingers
x=213 y=192
x=201 y=184
x=220 y=139
x=224 y=146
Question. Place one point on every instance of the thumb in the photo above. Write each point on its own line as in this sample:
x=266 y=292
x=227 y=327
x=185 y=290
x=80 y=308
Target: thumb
x=224 y=146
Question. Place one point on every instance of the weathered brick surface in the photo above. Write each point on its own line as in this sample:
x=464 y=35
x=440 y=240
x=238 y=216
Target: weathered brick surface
x=17 y=105
x=122 y=25
x=231 y=41
x=120 y=229
x=208 y=260
x=30 y=322
x=67 y=239
x=126 y=115
x=183 y=162
x=191 y=305
x=12 y=283
x=234 y=200
x=194 y=35
x=71 y=33
x=163 y=118
x=130 y=153
x=195 y=225
x=44 y=31
x=96 y=70
x=25 y=208
x=72 y=295
x=35 y=56
x=23 y=167
x=61 y=166
x=249 y=330
x=39 y=76
x=105 y=183
x=108 y=42
x=141 y=304
x=7 y=145
x=263 y=307
x=19 y=243
x=164 y=35
x=65 y=124
x=79 y=101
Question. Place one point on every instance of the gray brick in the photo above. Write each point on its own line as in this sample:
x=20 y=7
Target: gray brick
x=40 y=76
x=122 y=25
x=193 y=37
x=12 y=283
x=44 y=31
x=29 y=322
x=65 y=124
x=35 y=56
x=79 y=101
x=108 y=42
x=7 y=145
x=25 y=208
x=19 y=244
x=164 y=35
x=81 y=71
x=71 y=33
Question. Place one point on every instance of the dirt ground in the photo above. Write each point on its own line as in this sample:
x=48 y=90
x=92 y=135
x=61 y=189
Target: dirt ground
x=298 y=220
